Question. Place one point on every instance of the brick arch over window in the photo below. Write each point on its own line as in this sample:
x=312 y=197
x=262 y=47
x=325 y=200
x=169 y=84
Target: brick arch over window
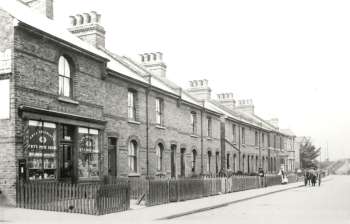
x=134 y=137
x=160 y=141
x=182 y=146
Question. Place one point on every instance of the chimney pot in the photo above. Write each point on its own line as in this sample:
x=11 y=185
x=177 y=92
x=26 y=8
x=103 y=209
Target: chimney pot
x=86 y=27
x=80 y=19
x=73 y=20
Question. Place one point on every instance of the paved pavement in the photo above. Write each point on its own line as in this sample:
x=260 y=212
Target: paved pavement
x=329 y=203
x=262 y=204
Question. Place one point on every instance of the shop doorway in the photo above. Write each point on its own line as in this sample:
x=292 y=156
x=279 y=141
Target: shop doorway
x=66 y=161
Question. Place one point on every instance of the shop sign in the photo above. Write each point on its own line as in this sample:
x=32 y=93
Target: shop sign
x=42 y=138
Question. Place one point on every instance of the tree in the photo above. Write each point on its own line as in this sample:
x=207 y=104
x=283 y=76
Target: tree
x=308 y=154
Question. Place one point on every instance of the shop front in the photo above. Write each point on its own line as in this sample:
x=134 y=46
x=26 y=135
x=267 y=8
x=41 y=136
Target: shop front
x=61 y=149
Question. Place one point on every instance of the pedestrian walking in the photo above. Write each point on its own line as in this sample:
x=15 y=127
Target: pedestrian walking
x=261 y=177
x=306 y=177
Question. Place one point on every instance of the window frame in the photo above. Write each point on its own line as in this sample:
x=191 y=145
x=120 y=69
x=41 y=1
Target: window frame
x=132 y=97
x=92 y=152
x=64 y=78
x=194 y=160
x=209 y=126
x=234 y=133
x=243 y=136
x=194 y=122
x=159 y=111
x=160 y=155
x=132 y=156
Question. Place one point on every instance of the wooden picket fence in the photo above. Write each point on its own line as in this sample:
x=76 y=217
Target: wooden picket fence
x=89 y=198
x=173 y=190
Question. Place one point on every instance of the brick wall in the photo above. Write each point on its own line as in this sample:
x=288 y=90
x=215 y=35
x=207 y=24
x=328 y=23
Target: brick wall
x=7 y=132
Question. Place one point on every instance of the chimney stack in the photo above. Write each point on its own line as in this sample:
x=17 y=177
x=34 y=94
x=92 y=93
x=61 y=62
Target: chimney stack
x=154 y=63
x=227 y=100
x=44 y=7
x=87 y=27
x=246 y=106
x=200 y=89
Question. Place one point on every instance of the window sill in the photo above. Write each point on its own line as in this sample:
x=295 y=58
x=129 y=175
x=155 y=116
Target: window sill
x=209 y=138
x=160 y=127
x=194 y=136
x=134 y=122
x=68 y=100
x=160 y=173
x=134 y=175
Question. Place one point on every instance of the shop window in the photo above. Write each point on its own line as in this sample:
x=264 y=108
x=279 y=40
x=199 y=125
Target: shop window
x=88 y=159
x=159 y=154
x=5 y=99
x=65 y=77
x=159 y=111
x=132 y=156
x=132 y=105
x=42 y=153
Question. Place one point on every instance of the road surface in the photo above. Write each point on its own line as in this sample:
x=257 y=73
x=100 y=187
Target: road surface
x=329 y=203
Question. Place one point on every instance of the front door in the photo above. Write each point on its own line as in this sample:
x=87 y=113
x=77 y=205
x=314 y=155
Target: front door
x=66 y=161
x=112 y=156
x=172 y=160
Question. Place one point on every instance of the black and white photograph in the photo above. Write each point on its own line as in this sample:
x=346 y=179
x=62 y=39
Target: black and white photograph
x=164 y=111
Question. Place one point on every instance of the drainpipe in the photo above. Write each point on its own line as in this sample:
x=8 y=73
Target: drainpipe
x=239 y=147
x=223 y=144
x=259 y=140
x=147 y=125
x=202 y=140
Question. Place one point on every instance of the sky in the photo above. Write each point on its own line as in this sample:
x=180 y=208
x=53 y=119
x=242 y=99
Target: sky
x=291 y=57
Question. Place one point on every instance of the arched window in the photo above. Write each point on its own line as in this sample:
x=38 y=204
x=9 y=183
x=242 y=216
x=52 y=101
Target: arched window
x=132 y=156
x=65 y=77
x=194 y=157
x=159 y=153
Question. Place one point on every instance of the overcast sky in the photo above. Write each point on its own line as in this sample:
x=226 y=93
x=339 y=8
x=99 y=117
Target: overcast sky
x=291 y=57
